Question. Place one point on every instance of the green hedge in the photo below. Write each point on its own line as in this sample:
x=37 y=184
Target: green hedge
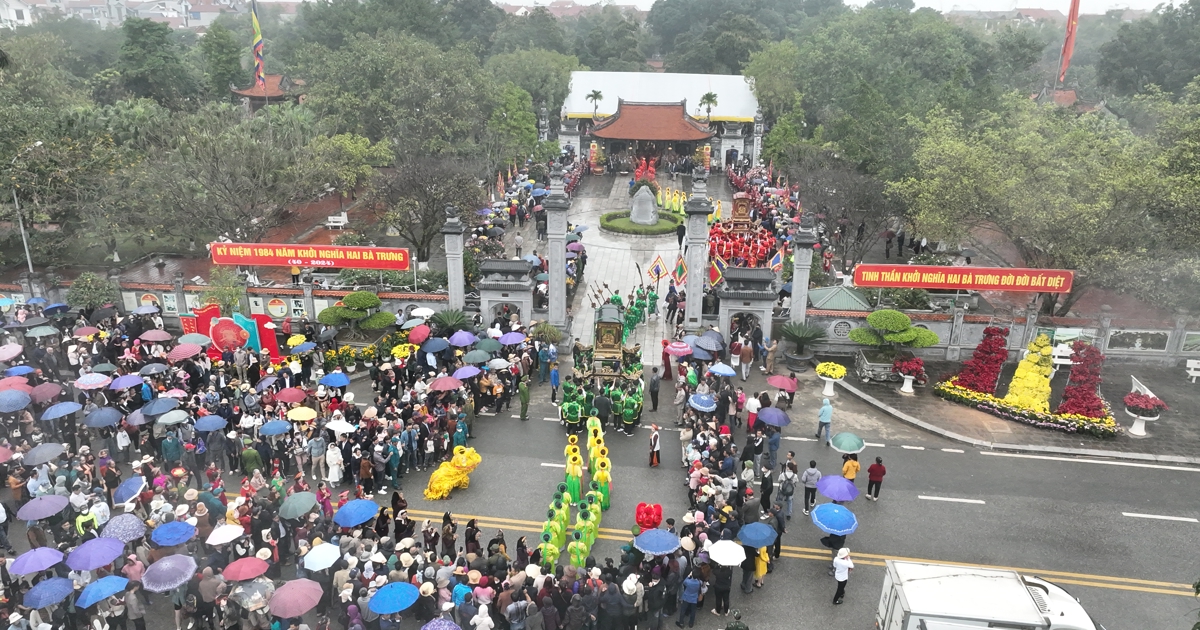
x=619 y=222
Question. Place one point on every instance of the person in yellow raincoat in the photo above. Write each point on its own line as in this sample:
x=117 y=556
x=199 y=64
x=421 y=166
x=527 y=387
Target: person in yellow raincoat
x=551 y=527
x=603 y=478
x=762 y=562
x=574 y=478
x=577 y=550
x=561 y=516
x=588 y=523
x=549 y=550
x=596 y=450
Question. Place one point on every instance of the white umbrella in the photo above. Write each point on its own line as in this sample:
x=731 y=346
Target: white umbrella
x=424 y=312
x=225 y=534
x=727 y=553
x=341 y=426
x=321 y=557
x=498 y=364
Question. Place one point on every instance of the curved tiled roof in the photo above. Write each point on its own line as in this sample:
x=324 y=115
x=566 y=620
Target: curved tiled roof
x=651 y=121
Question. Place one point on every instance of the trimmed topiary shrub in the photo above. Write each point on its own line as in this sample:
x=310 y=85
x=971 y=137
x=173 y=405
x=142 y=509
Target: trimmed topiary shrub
x=619 y=222
x=890 y=327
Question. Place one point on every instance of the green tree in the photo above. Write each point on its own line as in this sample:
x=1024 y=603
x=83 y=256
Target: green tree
x=512 y=128
x=546 y=75
x=352 y=159
x=1162 y=50
x=775 y=71
x=595 y=96
x=470 y=23
x=608 y=40
x=356 y=311
x=88 y=47
x=225 y=288
x=222 y=62
x=413 y=196
x=722 y=48
x=708 y=101
x=539 y=30
x=151 y=64
x=90 y=291
x=37 y=75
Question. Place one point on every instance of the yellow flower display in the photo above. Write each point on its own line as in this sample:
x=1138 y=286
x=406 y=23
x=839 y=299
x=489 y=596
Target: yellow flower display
x=295 y=340
x=1030 y=386
x=829 y=369
x=403 y=351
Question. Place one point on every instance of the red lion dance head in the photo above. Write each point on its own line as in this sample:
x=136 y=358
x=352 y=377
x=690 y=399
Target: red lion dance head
x=648 y=516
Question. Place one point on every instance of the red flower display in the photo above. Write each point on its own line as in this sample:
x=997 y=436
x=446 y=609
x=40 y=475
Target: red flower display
x=910 y=367
x=1082 y=394
x=1147 y=405
x=982 y=371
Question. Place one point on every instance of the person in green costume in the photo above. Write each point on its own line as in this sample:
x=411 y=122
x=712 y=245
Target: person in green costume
x=551 y=528
x=570 y=414
x=595 y=500
x=602 y=477
x=560 y=516
x=549 y=551
x=577 y=550
x=568 y=388
x=589 y=398
x=585 y=522
x=593 y=421
x=629 y=415
x=523 y=391
x=574 y=478
x=652 y=302
x=616 y=299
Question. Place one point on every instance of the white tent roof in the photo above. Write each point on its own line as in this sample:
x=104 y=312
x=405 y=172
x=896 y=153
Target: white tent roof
x=735 y=98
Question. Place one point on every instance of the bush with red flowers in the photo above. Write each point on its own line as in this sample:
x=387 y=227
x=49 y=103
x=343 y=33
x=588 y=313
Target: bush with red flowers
x=1082 y=394
x=913 y=366
x=982 y=371
x=1143 y=404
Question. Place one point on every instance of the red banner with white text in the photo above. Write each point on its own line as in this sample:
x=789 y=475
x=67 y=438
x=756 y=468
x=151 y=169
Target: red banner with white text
x=966 y=278
x=317 y=256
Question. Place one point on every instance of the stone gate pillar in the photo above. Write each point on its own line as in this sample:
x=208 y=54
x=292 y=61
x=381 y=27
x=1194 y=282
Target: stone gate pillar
x=556 y=206
x=697 y=210
x=802 y=254
x=453 y=231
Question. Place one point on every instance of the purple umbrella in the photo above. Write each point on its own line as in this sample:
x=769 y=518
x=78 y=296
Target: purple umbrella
x=124 y=527
x=511 y=338
x=136 y=418
x=462 y=338
x=42 y=507
x=168 y=573
x=95 y=553
x=774 y=416
x=441 y=624
x=837 y=488
x=466 y=372
x=35 y=560
x=126 y=381
x=575 y=247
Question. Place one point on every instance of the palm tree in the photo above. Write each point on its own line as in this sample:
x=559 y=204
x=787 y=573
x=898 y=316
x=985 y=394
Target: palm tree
x=595 y=97
x=708 y=101
x=3 y=60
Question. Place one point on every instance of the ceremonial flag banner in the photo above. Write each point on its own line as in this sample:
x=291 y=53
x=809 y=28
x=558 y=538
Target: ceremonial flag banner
x=716 y=270
x=657 y=270
x=777 y=261
x=680 y=270
x=260 y=73
x=1069 y=43
x=325 y=256
x=976 y=278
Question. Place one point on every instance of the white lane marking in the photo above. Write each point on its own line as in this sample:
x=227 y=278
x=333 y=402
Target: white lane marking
x=800 y=439
x=949 y=499
x=548 y=465
x=1161 y=517
x=874 y=444
x=912 y=448
x=1089 y=461
x=547 y=419
x=515 y=415
x=953 y=450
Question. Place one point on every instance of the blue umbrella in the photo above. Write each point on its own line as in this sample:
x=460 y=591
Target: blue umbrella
x=48 y=593
x=531 y=259
x=173 y=533
x=757 y=535
x=701 y=353
x=148 y=309
x=774 y=416
x=35 y=560
x=483 y=211
x=580 y=229
x=20 y=370
x=441 y=624
x=835 y=519
x=13 y=400
x=720 y=369
x=702 y=402
x=466 y=371
x=103 y=417
x=95 y=553
x=437 y=344
x=54 y=309
x=541 y=192
x=37 y=300
x=275 y=427
x=304 y=347
x=101 y=589
x=356 y=512
x=159 y=406
x=61 y=410
x=6 y=302
x=837 y=488
x=335 y=379
x=125 y=381
x=393 y=598
x=128 y=489
x=211 y=422
x=124 y=527
x=691 y=340
x=656 y=542
x=786 y=288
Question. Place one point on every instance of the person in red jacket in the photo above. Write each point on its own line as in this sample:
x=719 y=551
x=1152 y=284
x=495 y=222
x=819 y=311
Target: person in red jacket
x=875 y=475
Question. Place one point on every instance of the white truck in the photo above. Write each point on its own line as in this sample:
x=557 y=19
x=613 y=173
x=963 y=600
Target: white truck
x=922 y=596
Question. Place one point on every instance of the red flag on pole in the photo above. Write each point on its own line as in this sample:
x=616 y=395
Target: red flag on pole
x=1069 y=43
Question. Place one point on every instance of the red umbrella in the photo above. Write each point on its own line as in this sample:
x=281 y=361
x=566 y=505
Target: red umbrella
x=85 y=331
x=418 y=334
x=445 y=384
x=291 y=395
x=678 y=349
x=14 y=380
x=244 y=569
x=45 y=392
x=155 y=334
x=184 y=351
x=294 y=599
x=5 y=454
x=785 y=383
x=21 y=387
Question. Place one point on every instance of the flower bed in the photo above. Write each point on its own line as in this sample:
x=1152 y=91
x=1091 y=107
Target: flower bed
x=1105 y=426
x=829 y=369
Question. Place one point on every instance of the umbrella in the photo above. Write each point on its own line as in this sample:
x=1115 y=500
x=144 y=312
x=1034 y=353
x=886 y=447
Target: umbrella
x=720 y=369
x=498 y=364
x=146 y=309
x=580 y=229
x=48 y=593
x=837 y=488
x=184 y=351
x=225 y=534
x=85 y=331
x=6 y=302
x=126 y=381
x=531 y=259
x=678 y=349
x=159 y=406
x=846 y=442
x=774 y=416
x=341 y=426
x=9 y=381
x=136 y=418
x=211 y=422
x=757 y=535
x=710 y=344
x=37 y=300
x=445 y=384
x=155 y=334
x=244 y=569
x=42 y=454
x=35 y=321
x=129 y=489
x=656 y=542
x=542 y=277
x=102 y=417
x=356 y=512
x=101 y=589
x=488 y=345
x=101 y=314
x=304 y=347
x=691 y=340
x=322 y=556
x=297 y=505
x=572 y=255
x=511 y=338
x=437 y=344
x=107 y=368
x=295 y=598
x=574 y=247
x=540 y=192
x=35 y=560
x=462 y=338
x=466 y=372
x=441 y=624
x=92 y=381
x=42 y=507
x=412 y=323
x=714 y=334
x=702 y=402
x=291 y=395
x=19 y=370
x=474 y=356
x=175 y=392
x=266 y=382
x=327 y=334
x=277 y=427
x=702 y=354
x=10 y=351
x=175 y=416
x=495 y=231
x=418 y=334
x=173 y=533
x=151 y=369
x=301 y=414
x=424 y=311
x=571 y=238
x=727 y=553
x=335 y=379
x=46 y=392
x=95 y=553
x=835 y=519
x=125 y=527
x=782 y=382
x=56 y=308
x=483 y=211
x=42 y=331
x=393 y=598
x=196 y=338
x=16 y=386
x=168 y=573
x=252 y=594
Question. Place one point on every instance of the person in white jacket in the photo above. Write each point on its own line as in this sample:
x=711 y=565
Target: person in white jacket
x=333 y=459
x=842 y=565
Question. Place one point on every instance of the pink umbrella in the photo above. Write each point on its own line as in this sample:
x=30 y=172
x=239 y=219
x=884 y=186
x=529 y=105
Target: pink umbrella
x=21 y=387
x=45 y=392
x=95 y=380
x=244 y=569
x=418 y=334
x=155 y=335
x=85 y=331
x=782 y=382
x=575 y=247
x=184 y=351
x=678 y=349
x=445 y=384
x=14 y=380
x=10 y=351
x=295 y=598
x=176 y=393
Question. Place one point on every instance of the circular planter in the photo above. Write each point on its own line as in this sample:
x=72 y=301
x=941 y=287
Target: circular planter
x=828 y=390
x=368 y=364
x=907 y=387
x=797 y=362
x=349 y=368
x=1139 y=422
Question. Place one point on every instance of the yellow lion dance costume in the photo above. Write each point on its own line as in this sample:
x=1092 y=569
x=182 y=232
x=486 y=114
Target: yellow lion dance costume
x=452 y=474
